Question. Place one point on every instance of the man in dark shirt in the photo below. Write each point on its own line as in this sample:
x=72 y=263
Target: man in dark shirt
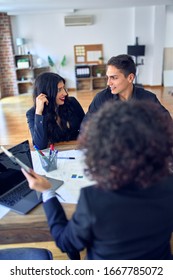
x=121 y=71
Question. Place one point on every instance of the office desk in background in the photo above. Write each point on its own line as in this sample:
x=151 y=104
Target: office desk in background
x=15 y=228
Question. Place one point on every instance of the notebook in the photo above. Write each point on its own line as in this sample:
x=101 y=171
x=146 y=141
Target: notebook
x=14 y=190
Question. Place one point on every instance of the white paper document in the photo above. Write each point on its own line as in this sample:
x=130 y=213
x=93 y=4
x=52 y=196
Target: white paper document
x=3 y=211
x=71 y=171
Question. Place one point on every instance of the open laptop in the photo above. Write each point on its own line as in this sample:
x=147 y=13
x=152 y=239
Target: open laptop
x=14 y=190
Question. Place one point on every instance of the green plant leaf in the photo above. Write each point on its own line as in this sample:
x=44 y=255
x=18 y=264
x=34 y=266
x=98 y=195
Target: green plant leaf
x=50 y=61
x=63 y=62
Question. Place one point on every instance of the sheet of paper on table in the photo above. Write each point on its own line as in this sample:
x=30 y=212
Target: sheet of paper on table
x=71 y=171
x=3 y=211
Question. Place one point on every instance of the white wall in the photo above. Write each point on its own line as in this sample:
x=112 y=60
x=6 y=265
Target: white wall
x=115 y=29
x=169 y=27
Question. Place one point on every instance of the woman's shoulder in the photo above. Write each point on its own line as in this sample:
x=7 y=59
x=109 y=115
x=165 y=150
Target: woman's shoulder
x=73 y=101
x=31 y=111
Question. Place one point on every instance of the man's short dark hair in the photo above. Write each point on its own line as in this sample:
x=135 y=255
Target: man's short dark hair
x=124 y=63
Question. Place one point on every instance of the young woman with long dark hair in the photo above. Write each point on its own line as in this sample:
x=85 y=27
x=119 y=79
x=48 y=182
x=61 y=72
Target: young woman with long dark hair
x=55 y=116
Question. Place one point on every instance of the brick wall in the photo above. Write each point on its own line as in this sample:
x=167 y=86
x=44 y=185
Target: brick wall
x=8 y=86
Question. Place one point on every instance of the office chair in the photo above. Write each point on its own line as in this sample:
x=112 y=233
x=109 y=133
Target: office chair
x=25 y=254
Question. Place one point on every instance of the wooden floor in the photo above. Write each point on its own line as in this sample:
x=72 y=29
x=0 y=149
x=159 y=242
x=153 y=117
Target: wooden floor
x=14 y=129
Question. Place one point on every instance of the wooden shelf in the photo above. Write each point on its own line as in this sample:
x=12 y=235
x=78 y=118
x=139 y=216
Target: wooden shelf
x=92 y=80
x=25 y=76
x=25 y=87
x=84 y=84
x=99 y=83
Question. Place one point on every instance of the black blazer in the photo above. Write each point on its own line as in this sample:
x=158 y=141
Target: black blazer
x=126 y=224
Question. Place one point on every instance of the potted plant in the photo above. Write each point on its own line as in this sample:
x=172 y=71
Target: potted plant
x=98 y=73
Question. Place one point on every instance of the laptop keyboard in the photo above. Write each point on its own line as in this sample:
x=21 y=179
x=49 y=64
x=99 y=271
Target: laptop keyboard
x=14 y=196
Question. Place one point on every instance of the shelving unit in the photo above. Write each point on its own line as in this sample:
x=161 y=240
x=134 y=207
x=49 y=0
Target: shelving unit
x=90 y=77
x=26 y=72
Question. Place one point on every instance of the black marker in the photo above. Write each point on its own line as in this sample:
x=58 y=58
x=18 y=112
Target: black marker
x=65 y=157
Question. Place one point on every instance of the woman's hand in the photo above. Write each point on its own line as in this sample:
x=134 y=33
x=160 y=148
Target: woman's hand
x=36 y=182
x=41 y=100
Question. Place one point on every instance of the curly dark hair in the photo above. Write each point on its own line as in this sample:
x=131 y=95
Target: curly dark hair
x=124 y=63
x=128 y=143
x=47 y=83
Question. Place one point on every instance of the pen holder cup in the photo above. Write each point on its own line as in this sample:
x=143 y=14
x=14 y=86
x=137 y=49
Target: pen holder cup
x=48 y=164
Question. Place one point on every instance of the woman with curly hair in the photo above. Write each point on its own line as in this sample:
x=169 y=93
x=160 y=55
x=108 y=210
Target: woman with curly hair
x=128 y=213
x=55 y=116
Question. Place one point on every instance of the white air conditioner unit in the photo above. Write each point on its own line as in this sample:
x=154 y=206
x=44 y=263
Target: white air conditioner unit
x=78 y=20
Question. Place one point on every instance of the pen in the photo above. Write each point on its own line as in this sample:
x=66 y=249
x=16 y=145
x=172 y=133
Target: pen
x=53 y=155
x=39 y=151
x=65 y=157
x=52 y=148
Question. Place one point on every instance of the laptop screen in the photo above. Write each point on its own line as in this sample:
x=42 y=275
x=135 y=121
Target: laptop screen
x=10 y=173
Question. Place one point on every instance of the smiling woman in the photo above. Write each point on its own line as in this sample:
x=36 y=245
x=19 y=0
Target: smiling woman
x=55 y=116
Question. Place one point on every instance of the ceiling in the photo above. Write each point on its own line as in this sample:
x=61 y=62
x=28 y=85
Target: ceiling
x=15 y=7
